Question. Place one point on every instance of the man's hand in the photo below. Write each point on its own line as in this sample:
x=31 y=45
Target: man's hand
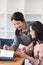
x=6 y=47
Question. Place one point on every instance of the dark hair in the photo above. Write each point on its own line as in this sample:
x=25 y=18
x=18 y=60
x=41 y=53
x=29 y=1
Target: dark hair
x=18 y=16
x=37 y=26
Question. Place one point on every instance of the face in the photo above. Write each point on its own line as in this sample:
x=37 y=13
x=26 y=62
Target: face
x=32 y=32
x=18 y=24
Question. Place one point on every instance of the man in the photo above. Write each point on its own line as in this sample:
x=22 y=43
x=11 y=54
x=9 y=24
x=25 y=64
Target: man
x=22 y=35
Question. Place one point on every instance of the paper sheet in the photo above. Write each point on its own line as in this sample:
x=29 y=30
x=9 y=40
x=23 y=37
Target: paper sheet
x=6 y=53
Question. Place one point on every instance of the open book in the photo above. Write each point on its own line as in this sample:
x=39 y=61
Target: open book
x=6 y=55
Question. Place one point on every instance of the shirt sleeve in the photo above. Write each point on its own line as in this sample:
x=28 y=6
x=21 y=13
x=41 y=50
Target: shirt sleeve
x=15 y=43
x=38 y=61
x=35 y=61
x=25 y=38
x=41 y=53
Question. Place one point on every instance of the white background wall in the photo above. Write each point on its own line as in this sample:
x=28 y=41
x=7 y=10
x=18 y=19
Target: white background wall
x=33 y=6
x=32 y=10
x=15 y=5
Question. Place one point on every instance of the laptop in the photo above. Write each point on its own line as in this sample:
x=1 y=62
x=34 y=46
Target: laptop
x=7 y=59
x=0 y=44
x=7 y=55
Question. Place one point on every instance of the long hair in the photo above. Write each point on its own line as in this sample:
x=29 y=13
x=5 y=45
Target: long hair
x=18 y=16
x=37 y=26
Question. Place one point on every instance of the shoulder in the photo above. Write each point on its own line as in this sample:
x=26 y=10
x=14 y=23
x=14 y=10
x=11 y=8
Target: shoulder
x=28 y=23
x=41 y=46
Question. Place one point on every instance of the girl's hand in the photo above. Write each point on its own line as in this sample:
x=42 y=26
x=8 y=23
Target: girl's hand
x=23 y=49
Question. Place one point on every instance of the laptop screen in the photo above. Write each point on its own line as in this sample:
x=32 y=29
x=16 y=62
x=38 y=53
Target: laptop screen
x=0 y=44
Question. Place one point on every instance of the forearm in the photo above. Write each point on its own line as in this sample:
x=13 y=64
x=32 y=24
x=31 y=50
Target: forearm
x=29 y=49
x=33 y=61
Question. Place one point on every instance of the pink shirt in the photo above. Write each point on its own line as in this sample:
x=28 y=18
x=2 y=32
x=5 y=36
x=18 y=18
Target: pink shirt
x=38 y=53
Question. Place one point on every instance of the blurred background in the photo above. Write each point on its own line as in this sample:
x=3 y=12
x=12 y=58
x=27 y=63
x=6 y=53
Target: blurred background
x=32 y=10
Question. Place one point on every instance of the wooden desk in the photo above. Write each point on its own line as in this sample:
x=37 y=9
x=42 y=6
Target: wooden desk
x=19 y=61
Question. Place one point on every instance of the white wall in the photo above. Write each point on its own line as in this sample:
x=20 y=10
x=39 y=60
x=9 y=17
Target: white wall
x=33 y=6
x=15 y=5
x=2 y=6
x=32 y=10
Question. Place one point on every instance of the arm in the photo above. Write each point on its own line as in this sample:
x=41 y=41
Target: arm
x=15 y=43
x=27 y=49
x=31 y=59
x=14 y=46
x=26 y=39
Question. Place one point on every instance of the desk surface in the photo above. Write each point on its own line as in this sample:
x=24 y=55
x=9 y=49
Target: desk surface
x=19 y=61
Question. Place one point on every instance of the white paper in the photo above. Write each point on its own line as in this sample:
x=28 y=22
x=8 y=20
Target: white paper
x=6 y=53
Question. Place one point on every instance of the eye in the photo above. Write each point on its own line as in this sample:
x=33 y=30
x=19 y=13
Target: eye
x=16 y=23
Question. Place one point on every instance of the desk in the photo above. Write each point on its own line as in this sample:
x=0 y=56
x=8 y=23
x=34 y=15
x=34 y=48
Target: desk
x=18 y=62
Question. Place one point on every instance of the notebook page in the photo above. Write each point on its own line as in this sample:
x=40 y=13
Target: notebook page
x=6 y=53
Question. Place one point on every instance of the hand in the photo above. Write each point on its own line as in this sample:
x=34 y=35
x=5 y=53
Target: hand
x=8 y=47
x=22 y=54
x=29 y=49
x=22 y=49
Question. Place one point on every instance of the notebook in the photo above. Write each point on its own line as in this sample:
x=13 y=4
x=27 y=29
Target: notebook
x=7 y=55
